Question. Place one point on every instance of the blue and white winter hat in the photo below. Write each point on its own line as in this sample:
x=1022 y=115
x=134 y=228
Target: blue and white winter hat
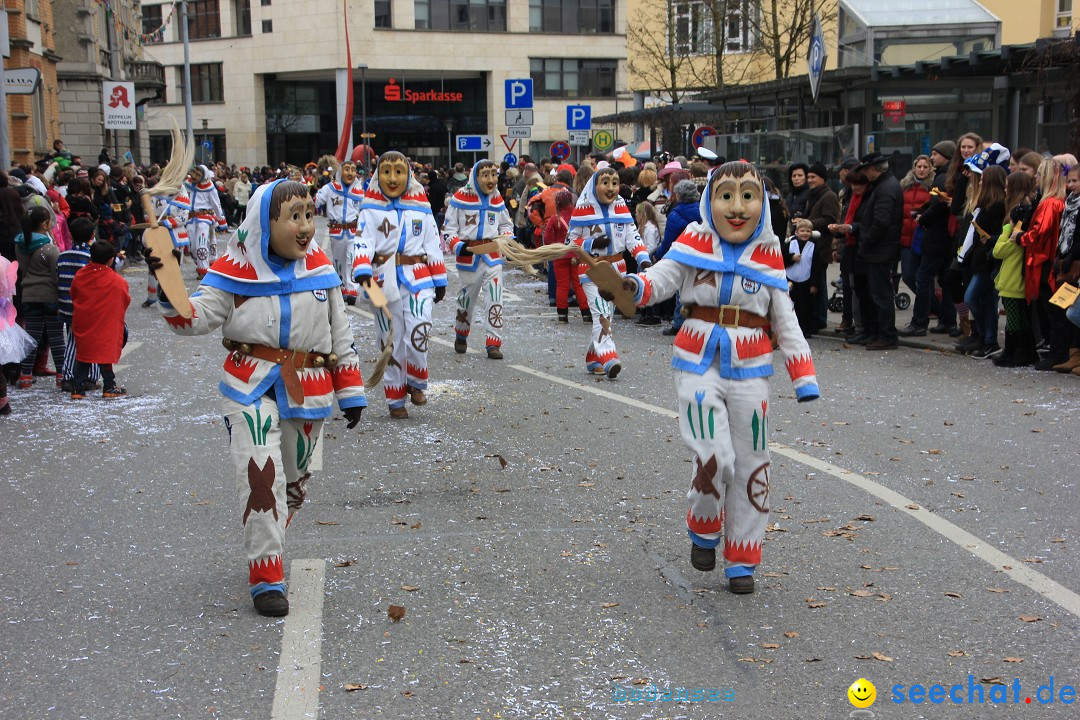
x=996 y=154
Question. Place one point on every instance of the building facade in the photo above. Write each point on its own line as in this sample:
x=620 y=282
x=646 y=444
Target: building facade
x=33 y=119
x=102 y=42
x=269 y=79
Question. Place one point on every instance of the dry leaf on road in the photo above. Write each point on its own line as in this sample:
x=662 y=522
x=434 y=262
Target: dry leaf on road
x=1012 y=659
x=882 y=657
x=353 y=687
x=396 y=612
x=1030 y=618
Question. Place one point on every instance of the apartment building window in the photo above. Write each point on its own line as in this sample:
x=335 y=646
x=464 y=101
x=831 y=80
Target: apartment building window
x=206 y=85
x=242 y=13
x=467 y=15
x=382 y=14
x=572 y=16
x=204 y=19
x=1064 y=14
x=33 y=9
x=694 y=27
x=558 y=77
x=151 y=21
x=268 y=26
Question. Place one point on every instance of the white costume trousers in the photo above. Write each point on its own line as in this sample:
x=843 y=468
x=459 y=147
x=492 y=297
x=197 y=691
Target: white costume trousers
x=481 y=289
x=725 y=423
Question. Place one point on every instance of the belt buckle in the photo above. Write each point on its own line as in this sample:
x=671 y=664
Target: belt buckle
x=724 y=309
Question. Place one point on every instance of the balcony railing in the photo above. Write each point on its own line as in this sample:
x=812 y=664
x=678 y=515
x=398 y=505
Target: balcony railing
x=145 y=73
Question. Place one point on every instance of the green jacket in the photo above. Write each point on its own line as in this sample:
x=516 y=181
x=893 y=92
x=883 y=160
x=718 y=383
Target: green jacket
x=1010 y=278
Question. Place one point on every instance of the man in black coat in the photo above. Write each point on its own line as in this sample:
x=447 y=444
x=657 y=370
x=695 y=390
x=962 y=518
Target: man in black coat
x=877 y=227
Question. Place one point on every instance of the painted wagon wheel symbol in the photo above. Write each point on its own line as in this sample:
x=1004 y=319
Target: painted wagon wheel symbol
x=419 y=336
x=495 y=317
x=757 y=488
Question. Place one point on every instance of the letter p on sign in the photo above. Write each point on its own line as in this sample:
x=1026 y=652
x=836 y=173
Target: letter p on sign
x=519 y=94
x=578 y=117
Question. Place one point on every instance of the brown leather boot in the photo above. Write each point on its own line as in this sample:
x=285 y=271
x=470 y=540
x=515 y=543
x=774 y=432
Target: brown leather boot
x=417 y=396
x=1071 y=364
x=399 y=413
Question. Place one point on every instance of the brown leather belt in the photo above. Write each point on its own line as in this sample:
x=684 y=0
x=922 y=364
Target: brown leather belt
x=726 y=316
x=342 y=226
x=611 y=258
x=289 y=360
x=402 y=259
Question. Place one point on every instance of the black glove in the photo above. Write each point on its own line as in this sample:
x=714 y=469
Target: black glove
x=154 y=263
x=605 y=295
x=440 y=293
x=352 y=416
x=601 y=242
x=464 y=251
x=644 y=265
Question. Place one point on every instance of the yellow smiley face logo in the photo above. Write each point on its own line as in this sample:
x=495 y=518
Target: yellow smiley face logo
x=862 y=693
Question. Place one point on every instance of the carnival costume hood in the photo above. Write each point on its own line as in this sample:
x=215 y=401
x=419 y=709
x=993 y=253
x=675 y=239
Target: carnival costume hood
x=249 y=268
x=758 y=258
x=590 y=211
x=471 y=197
x=414 y=197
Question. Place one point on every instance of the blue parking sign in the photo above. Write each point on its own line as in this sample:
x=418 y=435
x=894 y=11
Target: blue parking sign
x=519 y=94
x=578 y=117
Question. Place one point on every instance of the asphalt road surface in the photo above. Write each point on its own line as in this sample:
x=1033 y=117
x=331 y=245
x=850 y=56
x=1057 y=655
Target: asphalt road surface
x=530 y=520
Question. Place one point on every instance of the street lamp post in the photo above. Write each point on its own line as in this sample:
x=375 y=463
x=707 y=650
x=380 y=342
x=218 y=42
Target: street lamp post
x=362 y=67
x=449 y=123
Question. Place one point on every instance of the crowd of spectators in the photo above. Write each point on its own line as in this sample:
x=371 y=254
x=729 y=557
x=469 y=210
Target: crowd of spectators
x=973 y=227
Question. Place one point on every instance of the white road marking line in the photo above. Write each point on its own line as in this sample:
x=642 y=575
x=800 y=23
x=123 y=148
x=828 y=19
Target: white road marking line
x=127 y=349
x=296 y=696
x=981 y=549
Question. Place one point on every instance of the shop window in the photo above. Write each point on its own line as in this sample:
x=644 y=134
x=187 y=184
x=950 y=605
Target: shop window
x=557 y=77
x=151 y=21
x=204 y=19
x=466 y=15
x=382 y=13
x=206 y=84
x=572 y=16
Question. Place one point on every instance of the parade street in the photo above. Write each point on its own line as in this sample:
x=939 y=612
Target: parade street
x=530 y=521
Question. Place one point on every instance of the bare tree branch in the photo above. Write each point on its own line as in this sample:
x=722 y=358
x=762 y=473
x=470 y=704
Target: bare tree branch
x=783 y=29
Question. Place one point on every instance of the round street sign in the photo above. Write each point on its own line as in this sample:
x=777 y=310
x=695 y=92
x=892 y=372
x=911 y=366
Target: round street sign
x=602 y=140
x=560 y=150
x=701 y=133
x=510 y=158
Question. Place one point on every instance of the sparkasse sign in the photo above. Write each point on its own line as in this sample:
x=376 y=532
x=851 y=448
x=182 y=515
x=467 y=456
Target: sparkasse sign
x=393 y=92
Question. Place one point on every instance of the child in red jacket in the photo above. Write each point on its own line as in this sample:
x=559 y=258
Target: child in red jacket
x=100 y=298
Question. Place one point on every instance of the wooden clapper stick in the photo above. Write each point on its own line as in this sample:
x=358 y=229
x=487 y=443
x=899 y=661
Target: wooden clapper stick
x=157 y=239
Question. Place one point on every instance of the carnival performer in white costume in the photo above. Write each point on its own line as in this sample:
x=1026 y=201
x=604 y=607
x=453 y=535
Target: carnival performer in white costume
x=729 y=272
x=477 y=214
x=205 y=217
x=341 y=199
x=399 y=248
x=277 y=299
x=602 y=223
x=172 y=213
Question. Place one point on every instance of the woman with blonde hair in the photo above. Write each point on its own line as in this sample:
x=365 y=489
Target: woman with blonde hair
x=1040 y=249
x=916 y=186
x=956 y=188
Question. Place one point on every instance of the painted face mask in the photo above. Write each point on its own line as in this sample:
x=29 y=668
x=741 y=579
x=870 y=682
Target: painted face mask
x=393 y=177
x=487 y=178
x=348 y=173
x=607 y=187
x=292 y=232
x=736 y=206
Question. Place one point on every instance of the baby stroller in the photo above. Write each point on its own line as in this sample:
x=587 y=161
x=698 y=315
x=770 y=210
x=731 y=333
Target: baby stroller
x=836 y=300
